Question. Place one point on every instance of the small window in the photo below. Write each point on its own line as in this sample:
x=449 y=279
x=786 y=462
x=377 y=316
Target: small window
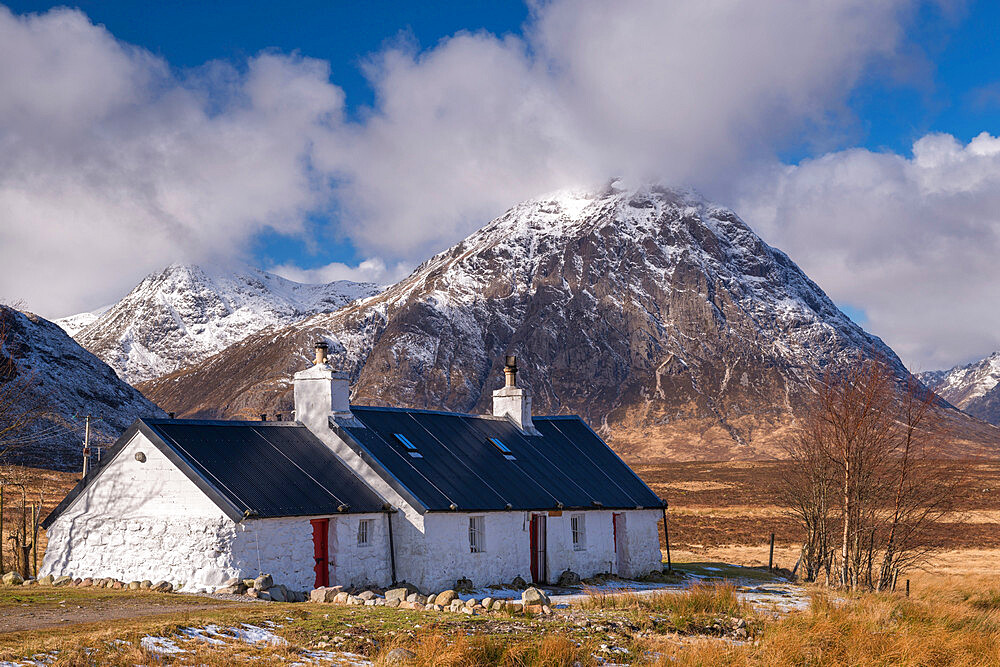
x=410 y=447
x=576 y=525
x=365 y=532
x=477 y=534
x=504 y=449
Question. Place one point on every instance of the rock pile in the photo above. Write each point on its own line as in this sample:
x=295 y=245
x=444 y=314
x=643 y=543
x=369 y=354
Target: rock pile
x=262 y=588
x=15 y=579
x=406 y=596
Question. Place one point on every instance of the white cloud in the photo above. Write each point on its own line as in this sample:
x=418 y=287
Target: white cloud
x=914 y=241
x=373 y=270
x=112 y=164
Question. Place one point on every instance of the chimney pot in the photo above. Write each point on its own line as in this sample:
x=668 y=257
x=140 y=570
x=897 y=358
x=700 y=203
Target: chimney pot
x=321 y=349
x=171 y=414
x=510 y=370
x=263 y=418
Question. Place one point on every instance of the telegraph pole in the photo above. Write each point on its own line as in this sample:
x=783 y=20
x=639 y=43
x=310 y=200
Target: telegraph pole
x=86 y=448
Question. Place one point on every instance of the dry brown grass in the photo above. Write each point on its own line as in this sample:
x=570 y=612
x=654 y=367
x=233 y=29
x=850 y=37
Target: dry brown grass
x=551 y=650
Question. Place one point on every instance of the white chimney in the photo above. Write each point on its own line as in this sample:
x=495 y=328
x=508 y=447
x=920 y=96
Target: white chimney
x=321 y=392
x=512 y=401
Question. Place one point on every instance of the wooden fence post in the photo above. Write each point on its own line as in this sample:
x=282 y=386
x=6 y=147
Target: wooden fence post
x=907 y=588
x=666 y=537
x=770 y=559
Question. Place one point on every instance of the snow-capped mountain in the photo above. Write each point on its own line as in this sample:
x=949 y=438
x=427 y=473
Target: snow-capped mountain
x=975 y=387
x=186 y=313
x=74 y=324
x=69 y=382
x=660 y=317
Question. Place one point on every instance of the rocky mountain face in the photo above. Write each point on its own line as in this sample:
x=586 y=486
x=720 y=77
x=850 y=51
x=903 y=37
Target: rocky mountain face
x=975 y=387
x=659 y=317
x=56 y=374
x=184 y=314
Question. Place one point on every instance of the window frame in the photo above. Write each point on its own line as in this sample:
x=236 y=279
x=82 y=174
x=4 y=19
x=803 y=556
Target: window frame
x=477 y=534
x=410 y=448
x=578 y=531
x=365 y=530
x=502 y=448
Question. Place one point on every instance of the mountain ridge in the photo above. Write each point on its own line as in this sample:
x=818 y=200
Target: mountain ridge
x=69 y=382
x=658 y=316
x=185 y=313
x=972 y=387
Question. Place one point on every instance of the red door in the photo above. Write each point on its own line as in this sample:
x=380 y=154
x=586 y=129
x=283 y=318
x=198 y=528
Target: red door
x=539 y=573
x=321 y=551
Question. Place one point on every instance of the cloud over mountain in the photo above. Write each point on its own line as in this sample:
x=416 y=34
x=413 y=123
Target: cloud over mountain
x=113 y=163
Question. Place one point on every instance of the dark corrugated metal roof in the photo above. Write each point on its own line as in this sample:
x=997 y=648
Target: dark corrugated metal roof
x=266 y=469
x=269 y=468
x=567 y=463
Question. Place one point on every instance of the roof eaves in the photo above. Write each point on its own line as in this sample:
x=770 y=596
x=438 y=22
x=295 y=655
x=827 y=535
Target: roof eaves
x=377 y=466
x=615 y=454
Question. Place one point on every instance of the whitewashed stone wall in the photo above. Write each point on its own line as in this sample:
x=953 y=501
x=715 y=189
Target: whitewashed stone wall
x=141 y=520
x=286 y=551
x=508 y=547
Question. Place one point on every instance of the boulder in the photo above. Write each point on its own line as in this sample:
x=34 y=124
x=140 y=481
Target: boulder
x=77 y=581
x=248 y=583
x=167 y=587
x=253 y=592
x=232 y=582
x=401 y=591
x=324 y=594
x=29 y=582
x=264 y=595
x=233 y=589
x=263 y=582
x=46 y=580
x=116 y=585
x=471 y=602
x=518 y=584
x=569 y=578
x=516 y=607
x=87 y=582
x=13 y=579
x=276 y=593
x=342 y=597
x=145 y=584
x=392 y=603
x=366 y=595
x=134 y=585
x=417 y=598
x=532 y=595
x=547 y=610
x=464 y=585
x=486 y=603
x=61 y=581
x=432 y=598
x=399 y=656
x=444 y=598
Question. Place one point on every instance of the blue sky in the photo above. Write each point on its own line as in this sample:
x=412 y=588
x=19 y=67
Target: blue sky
x=329 y=140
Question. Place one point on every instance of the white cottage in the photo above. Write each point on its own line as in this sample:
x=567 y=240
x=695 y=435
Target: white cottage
x=358 y=496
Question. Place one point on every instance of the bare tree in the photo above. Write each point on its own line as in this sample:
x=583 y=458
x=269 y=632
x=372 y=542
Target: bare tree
x=867 y=441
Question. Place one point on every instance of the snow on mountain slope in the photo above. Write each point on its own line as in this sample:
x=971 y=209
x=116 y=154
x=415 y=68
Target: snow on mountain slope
x=658 y=316
x=184 y=314
x=68 y=382
x=975 y=387
x=74 y=324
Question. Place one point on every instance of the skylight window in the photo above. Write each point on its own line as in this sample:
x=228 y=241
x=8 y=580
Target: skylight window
x=504 y=449
x=410 y=447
